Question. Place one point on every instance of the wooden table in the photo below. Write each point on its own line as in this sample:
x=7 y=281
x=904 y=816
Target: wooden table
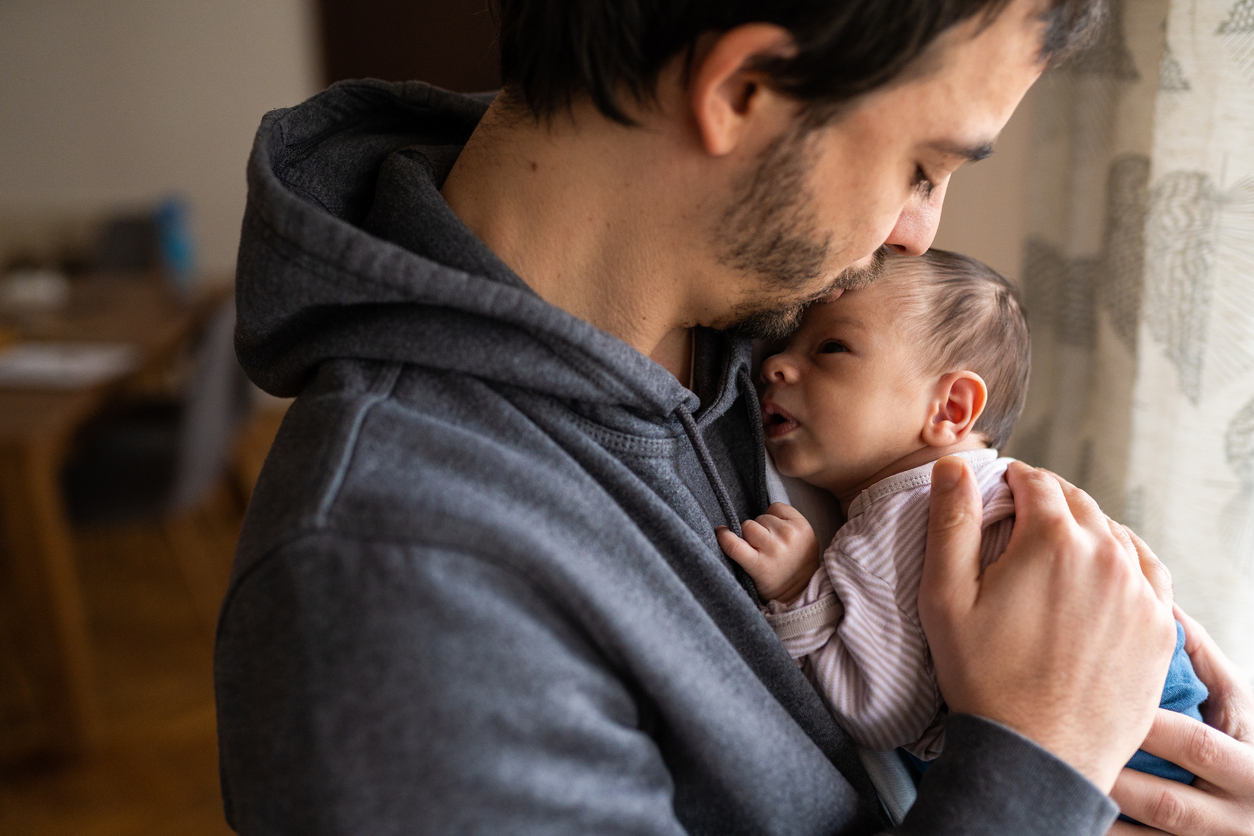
x=36 y=429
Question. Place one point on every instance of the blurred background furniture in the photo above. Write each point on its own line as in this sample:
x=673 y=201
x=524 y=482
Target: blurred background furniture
x=37 y=431
x=156 y=457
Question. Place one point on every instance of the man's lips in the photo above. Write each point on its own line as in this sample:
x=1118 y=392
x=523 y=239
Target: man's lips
x=775 y=421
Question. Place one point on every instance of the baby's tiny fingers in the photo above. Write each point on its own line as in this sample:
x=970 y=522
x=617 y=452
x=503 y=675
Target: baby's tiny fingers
x=784 y=529
x=771 y=523
x=785 y=511
x=758 y=535
x=735 y=547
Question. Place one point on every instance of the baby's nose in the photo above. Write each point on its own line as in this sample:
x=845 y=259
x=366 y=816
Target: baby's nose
x=777 y=369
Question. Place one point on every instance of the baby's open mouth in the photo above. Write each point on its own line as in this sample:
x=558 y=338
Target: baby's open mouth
x=775 y=421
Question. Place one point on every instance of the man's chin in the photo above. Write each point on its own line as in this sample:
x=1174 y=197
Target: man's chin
x=777 y=322
x=861 y=273
x=769 y=323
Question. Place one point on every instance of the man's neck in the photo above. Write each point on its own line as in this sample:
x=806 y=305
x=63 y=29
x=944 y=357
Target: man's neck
x=564 y=205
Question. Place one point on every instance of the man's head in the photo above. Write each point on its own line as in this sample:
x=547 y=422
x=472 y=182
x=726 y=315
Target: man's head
x=933 y=356
x=553 y=53
x=737 y=161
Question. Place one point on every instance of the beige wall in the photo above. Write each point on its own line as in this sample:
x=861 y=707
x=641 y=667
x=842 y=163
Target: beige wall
x=107 y=103
x=986 y=209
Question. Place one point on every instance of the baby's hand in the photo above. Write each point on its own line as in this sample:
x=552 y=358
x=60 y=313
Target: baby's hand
x=778 y=550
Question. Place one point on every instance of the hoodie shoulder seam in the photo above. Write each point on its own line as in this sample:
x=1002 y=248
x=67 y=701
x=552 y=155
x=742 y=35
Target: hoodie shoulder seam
x=382 y=389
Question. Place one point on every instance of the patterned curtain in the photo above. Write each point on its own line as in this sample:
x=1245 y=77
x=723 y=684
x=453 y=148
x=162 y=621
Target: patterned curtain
x=1139 y=276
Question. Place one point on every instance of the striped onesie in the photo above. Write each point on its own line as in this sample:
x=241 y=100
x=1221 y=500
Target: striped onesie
x=856 y=627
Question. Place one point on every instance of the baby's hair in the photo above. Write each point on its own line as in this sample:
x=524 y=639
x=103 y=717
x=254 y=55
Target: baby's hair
x=972 y=318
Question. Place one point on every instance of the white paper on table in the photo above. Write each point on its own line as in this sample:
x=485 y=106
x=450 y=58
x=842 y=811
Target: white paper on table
x=65 y=365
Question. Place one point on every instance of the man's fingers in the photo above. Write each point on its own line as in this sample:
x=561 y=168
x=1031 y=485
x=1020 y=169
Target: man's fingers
x=1151 y=567
x=1123 y=534
x=1204 y=751
x=1170 y=806
x=1083 y=507
x=1208 y=661
x=1196 y=639
x=1230 y=707
x=1038 y=497
x=951 y=569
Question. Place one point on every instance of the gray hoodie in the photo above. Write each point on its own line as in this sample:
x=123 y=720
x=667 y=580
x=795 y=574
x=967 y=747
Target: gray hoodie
x=478 y=590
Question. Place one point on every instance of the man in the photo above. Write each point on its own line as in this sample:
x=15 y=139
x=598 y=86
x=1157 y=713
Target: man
x=478 y=590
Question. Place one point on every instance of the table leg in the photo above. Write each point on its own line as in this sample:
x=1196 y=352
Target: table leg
x=51 y=626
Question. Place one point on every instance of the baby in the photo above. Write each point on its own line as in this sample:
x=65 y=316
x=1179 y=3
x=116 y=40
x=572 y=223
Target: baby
x=873 y=388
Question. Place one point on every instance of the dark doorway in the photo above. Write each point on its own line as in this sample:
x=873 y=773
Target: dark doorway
x=449 y=43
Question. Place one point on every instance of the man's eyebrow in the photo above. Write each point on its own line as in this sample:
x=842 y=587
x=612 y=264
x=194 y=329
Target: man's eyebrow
x=970 y=153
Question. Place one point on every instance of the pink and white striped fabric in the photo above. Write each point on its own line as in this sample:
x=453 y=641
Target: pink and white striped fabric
x=856 y=627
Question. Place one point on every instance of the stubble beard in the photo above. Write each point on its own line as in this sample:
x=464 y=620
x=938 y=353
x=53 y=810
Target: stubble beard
x=770 y=230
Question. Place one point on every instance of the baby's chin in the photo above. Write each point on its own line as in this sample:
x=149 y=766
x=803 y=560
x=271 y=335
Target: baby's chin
x=787 y=464
x=779 y=455
x=819 y=476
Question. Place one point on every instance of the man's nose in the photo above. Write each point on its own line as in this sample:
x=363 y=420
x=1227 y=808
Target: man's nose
x=916 y=225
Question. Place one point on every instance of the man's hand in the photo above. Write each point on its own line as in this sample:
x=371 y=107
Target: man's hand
x=1064 y=639
x=1221 y=753
x=778 y=550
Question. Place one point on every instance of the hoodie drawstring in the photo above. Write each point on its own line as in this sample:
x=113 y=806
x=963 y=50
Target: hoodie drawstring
x=711 y=472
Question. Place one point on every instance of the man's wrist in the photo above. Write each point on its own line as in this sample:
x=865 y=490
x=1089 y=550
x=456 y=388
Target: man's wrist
x=1076 y=749
x=990 y=778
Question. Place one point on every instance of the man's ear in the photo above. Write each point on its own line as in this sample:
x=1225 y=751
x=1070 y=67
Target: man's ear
x=959 y=400
x=726 y=92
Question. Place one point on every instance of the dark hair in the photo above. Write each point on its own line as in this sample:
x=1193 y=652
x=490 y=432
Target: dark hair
x=971 y=318
x=553 y=52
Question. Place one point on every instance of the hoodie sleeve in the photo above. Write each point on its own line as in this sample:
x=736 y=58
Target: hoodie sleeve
x=990 y=780
x=337 y=713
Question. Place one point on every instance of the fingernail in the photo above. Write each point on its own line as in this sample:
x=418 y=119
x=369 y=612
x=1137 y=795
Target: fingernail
x=946 y=473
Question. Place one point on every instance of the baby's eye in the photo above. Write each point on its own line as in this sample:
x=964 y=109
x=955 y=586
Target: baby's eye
x=832 y=347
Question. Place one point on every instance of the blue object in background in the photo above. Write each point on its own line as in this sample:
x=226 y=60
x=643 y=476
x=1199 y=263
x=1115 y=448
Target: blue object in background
x=175 y=241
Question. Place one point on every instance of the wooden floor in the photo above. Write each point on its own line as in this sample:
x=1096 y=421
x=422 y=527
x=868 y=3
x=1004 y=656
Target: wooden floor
x=156 y=770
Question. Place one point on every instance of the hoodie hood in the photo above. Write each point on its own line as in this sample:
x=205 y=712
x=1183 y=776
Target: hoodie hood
x=349 y=251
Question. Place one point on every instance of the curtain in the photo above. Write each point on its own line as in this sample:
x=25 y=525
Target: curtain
x=1139 y=281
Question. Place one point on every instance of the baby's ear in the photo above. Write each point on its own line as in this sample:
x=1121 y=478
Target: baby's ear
x=956 y=406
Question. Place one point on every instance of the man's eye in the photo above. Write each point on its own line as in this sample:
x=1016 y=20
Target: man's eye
x=833 y=347
x=922 y=183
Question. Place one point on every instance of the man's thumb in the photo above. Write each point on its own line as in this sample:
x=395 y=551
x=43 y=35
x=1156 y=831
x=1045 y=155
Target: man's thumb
x=951 y=569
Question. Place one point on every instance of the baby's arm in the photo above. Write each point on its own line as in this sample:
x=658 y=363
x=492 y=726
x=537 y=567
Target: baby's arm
x=778 y=550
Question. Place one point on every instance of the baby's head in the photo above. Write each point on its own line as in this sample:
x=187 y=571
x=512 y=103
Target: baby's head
x=931 y=359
